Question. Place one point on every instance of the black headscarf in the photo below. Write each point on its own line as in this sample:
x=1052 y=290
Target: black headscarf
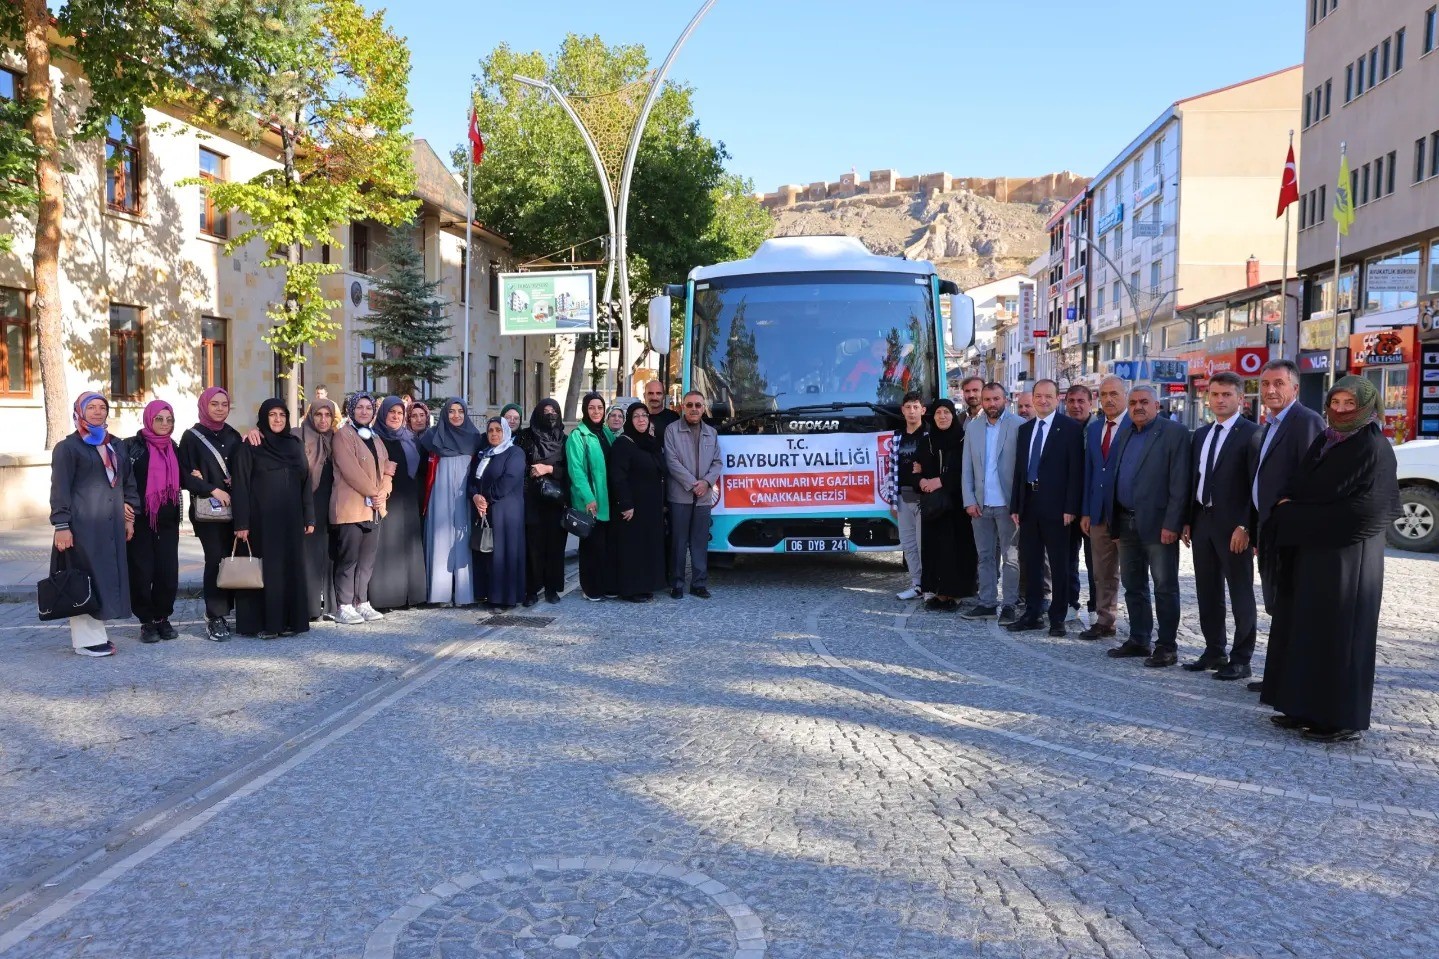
x=446 y=440
x=950 y=441
x=596 y=428
x=547 y=429
x=645 y=440
x=282 y=450
x=403 y=436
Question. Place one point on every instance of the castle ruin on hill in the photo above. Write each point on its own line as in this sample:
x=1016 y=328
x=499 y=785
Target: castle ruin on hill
x=1052 y=186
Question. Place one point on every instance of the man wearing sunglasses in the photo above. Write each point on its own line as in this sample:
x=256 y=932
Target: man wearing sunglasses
x=693 y=458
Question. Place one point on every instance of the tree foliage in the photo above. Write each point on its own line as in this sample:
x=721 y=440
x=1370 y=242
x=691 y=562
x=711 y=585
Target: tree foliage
x=411 y=322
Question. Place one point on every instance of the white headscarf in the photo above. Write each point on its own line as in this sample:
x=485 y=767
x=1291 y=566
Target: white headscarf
x=506 y=441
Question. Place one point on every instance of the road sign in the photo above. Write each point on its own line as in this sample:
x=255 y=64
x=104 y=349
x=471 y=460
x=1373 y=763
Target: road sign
x=1124 y=369
x=1249 y=360
x=1070 y=313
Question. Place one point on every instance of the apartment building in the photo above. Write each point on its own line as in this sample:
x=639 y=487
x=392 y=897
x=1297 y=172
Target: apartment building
x=1371 y=81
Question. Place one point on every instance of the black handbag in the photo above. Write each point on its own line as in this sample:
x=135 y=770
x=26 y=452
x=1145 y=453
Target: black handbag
x=578 y=521
x=551 y=490
x=938 y=503
x=69 y=590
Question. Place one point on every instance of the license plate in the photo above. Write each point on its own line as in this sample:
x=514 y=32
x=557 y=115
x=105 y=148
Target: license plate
x=828 y=544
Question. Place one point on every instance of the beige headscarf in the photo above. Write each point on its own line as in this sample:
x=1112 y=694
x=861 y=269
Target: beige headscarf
x=317 y=444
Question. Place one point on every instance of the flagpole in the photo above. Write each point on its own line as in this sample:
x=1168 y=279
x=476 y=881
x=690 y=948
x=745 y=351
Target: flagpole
x=469 y=262
x=1338 y=237
x=1284 y=270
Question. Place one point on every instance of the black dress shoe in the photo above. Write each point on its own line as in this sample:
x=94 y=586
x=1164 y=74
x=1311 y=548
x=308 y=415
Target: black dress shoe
x=1255 y=687
x=677 y=593
x=1095 y=632
x=1007 y=615
x=1289 y=722
x=979 y=612
x=1130 y=649
x=1327 y=734
x=1230 y=671
x=1207 y=661
x=531 y=600
x=1161 y=658
x=1027 y=624
x=699 y=592
x=552 y=596
x=1058 y=631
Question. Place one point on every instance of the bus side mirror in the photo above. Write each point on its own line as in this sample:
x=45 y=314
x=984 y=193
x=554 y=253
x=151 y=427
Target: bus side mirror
x=660 y=325
x=961 y=321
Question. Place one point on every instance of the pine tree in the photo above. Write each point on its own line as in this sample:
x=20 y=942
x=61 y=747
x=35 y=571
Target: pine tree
x=410 y=322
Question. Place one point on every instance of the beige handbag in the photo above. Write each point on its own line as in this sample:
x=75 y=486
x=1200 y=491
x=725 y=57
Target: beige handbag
x=240 y=572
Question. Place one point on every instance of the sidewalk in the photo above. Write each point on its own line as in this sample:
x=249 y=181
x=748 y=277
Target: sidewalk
x=25 y=560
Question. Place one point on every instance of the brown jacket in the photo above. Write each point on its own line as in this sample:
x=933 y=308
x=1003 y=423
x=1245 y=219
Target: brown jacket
x=357 y=475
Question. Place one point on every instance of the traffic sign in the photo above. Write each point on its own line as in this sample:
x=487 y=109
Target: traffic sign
x=1124 y=369
x=1070 y=313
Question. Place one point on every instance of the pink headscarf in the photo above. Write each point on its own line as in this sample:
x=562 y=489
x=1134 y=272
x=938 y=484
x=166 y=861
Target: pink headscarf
x=205 y=398
x=162 y=480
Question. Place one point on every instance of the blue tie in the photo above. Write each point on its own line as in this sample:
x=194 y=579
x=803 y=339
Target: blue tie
x=1035 y=450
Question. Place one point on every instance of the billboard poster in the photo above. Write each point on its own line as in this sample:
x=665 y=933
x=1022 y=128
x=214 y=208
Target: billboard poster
x=543 y=303
x=819 y=473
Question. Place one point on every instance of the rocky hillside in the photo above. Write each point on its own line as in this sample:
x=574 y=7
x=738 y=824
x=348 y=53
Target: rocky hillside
x=970 y=238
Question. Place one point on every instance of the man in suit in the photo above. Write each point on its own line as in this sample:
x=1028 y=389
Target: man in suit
x=989 y=451
x=1078 y=405
x=1151 y=499
x=1219 y=527
x=1287 y=434
x=1045 y=498
x=1100 y=457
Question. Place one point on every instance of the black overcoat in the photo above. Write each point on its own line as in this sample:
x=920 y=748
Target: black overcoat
x=82 y=498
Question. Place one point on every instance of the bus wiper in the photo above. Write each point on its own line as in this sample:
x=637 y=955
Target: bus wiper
x=814 y=408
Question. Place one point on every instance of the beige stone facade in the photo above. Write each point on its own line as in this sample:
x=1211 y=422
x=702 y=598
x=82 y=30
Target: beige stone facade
x=1051 y=186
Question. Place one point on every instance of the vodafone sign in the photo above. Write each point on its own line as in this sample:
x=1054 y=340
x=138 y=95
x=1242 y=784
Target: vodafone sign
x=1249 y=360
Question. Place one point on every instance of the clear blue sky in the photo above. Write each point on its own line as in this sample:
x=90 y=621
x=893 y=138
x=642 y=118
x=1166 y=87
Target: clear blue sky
x=801 y=90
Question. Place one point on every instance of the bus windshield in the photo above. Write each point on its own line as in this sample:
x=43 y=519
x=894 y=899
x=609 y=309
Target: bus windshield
x=783 y=340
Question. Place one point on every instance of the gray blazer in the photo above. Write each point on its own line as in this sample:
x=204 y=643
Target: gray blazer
x=972 y=484
x=1162 y=484
x=684 y=468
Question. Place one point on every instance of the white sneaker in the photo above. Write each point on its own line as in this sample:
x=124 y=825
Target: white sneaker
x=106 y=648
x=911 y=593
x=349 y=616
x=369 y=612
x=1073 y=616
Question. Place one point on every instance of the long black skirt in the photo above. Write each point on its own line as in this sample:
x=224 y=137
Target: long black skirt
x=949 y=561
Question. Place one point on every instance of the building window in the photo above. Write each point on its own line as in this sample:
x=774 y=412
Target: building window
x=1373 y=66
x=1420 y=169
x=1158 y=154
x=1349 y=83
x=1323 y=211
x=1328 y=95
x=1431 y=28
x=1434 y=267
x=1363 y=194
x=493 y=290
x=14 y=343
x=464 y=274
x=12 y=84
x=1359 y=77
x=214 y=352
x=1134 y=281
x=360 y=248
x=367 y=371
x=1397 y=279
x=1114 y=296
x=1379 y=178
x=1385 y=51
x=1399 y=50
x=1434 y=153
x=1393 y=159
x=127 y=353
x=517 y=384
x=494 y=381
x=122 y=167
x=1118 y=239
x=1305 y=202
x=212 y=170
x=1308 y=119
x=1154 y=269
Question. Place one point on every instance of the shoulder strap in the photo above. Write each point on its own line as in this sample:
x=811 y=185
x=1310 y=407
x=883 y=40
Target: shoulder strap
x=211 y=447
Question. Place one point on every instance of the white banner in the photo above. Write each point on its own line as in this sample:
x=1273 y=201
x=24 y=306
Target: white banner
x=819 y=473
x=1392 y=278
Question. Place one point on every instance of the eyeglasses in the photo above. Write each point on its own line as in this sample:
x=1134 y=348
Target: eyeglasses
x=694 y=406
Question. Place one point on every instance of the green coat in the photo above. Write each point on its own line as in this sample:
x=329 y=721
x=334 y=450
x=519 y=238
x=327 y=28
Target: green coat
x=589 y=480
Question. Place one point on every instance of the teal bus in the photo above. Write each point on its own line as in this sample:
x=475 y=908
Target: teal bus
x=803 y=353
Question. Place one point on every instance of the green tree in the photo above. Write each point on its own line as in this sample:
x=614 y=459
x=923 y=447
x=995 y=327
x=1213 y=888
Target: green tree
x=330 y=82
x=538 y=185
x=411 y=321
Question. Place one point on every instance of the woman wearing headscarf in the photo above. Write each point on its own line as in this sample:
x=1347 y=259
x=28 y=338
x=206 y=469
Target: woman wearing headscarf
x=401 y=580
x=949 y=563
x=318 y=434
x=544 y=444
x=637 y=497
x=450 y=447
x=497 y=489
x=93 y=507
x=274 y=511
x=417 y=417
x=363 y=474
x=207 y=465
x=586 y=450
x=615 y=422
x=513 y=415
x=154 y=550
x=1327 y=533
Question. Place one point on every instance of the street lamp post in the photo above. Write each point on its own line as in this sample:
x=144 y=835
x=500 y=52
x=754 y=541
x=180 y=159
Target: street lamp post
x=1141 y=321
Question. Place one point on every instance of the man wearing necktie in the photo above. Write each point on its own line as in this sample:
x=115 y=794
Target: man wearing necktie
x=1288 y=432
x=1097 y=520
x=1220 y=529
x=1046 y=499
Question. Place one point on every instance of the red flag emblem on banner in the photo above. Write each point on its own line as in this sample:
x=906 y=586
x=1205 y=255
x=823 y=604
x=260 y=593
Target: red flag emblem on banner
x=1289 y=192
x=477 y=143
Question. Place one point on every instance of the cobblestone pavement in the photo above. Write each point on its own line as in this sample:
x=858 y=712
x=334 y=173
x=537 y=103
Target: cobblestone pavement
x=800 y=767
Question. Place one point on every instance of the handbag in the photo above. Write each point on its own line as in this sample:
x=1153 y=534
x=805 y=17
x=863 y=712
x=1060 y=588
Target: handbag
x=935 y=504
x=485 y=543
x=68 y=591
x=551 y=490
x=240 y=572
x=578 y=521
x=209 y=510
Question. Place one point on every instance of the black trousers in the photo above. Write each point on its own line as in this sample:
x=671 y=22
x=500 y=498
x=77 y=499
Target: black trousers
x=1077 y=541
x=355 y=551
x=1217 y=567
x=154 y=560
x=596 y=562
x=1041 y=540
x=545 y=553
x=217 y=539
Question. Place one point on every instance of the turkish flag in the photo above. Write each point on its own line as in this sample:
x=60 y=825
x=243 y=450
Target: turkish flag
x=477 y=142
x=1289 y=192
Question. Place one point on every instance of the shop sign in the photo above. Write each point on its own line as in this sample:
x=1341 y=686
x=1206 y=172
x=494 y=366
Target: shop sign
x=1074 y=279
x=1074 y=334
x=1382 y=347
x=1169 y=371
x=1429 y=319
x=1318 y=361
x=1317 y=333
x=1392 y=278
x=1026 y=300
x=1110 y=220
x=1429 y=407
x=1148 y=229
x=1249 y=360
x=1147 y=192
